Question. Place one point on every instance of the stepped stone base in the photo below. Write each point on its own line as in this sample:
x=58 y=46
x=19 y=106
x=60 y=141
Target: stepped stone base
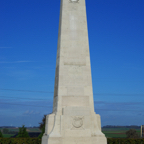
x=76 y=125
x=74 y=140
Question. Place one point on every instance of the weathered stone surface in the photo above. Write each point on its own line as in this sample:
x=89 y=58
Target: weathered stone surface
x=73 y=120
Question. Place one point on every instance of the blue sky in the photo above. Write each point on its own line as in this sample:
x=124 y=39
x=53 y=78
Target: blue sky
x=28 y=45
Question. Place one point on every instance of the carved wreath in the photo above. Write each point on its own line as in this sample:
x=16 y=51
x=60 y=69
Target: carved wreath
x=77 y=122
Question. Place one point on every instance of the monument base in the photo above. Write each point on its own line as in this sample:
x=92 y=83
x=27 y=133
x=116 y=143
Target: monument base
x=76 y=125
x=74 y=140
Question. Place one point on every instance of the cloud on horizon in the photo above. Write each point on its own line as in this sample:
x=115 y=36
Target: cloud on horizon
x=5 y=47
x=31 y=112
x=119 y=106
x=18 y=62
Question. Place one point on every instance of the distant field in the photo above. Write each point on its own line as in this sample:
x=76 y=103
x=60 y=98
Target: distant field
x=17 y=130
x=29 y=129
x=11 y=129
x=8 y=135
x=109 y=132
x=34 y=129
x=116 y=132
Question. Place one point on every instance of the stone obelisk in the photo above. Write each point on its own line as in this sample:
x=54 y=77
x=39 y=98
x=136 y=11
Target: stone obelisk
x=73 y=120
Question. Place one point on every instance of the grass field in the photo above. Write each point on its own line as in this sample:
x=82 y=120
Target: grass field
x=116 y=132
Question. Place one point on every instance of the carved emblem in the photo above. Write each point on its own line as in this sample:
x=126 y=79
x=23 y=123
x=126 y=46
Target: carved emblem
x=77 y=122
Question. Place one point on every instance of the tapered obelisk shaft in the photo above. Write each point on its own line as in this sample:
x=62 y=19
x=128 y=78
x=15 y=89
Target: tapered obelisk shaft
x=73 y=85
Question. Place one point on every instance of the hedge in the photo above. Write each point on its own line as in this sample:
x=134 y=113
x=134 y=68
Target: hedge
x=20 y=141
x=125 y=141
x=38 y=141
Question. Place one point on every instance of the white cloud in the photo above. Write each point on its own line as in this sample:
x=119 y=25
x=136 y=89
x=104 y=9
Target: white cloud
x=129 y=107
x=31 y=112
x=17 y=62
x=5 y=47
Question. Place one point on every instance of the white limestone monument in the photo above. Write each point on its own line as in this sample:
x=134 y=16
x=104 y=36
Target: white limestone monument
x=73 y=120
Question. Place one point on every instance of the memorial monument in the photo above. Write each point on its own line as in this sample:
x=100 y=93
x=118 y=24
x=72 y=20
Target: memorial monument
x=73 y=120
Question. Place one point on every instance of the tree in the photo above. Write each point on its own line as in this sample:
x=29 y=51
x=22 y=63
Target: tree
x=132 y=134
x=22 y=132
x=42 y=124
x=1 y=135
x=43 y=130
x=42 y=127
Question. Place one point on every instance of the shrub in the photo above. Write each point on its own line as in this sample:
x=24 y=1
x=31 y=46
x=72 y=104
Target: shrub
x=43 y=130
x=20 y=141
x=1 y=135
x=125 y=141
x=132 y=134
x=22 y=132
